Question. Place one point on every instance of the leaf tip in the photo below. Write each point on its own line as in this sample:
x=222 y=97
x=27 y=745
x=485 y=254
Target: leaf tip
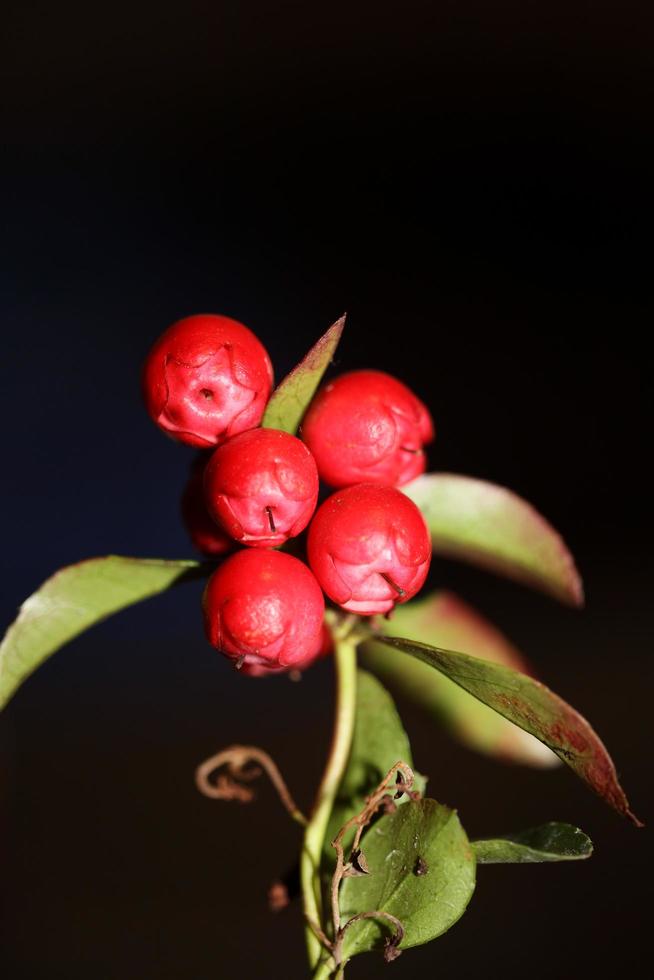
x=576 y=595
x=337 y=329
x=634 y=819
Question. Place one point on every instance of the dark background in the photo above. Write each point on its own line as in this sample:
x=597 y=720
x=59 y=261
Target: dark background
x=471 y=181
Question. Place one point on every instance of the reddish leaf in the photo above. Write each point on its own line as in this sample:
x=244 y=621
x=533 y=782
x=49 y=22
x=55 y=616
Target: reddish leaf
x=442 y=619
x=533 y=707
x=291 y=398
x=488 y=525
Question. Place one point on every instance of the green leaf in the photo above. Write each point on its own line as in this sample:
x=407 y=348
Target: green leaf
x=442 y=619
x=488 y=525
x=533 y=707
x=75 y=598
x=422 y=871
x=549 y=842
x=291 y=398
x=378 y=742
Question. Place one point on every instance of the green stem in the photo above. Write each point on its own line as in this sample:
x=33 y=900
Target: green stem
x=345 y=659
x=325 y=971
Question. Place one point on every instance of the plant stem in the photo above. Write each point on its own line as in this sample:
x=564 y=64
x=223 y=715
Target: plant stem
x=325 y=971
x=345 y=659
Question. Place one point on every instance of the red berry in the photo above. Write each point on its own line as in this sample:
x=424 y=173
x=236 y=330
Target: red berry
x=264 y=609
x=206 y=378
x=367 y=426
x=262 y=487
x=369 y=548
x=205 y=534
x=324 y=646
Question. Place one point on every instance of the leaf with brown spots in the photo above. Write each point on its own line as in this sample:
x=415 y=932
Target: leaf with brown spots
x=443 y=620
x=533 y=707
x=292 y=396
x=425 y=904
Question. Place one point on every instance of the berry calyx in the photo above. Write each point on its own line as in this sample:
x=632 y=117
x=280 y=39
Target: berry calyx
x=264 y=610
x=206 y=378
x=367 y=426
x=203 y=531
x=369 y=548
x=262 y=487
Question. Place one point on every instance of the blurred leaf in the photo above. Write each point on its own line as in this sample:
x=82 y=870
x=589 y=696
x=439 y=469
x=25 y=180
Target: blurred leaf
x=75 y=598
x=488 y=525
x=441 y=619
x=422 y=871
x=378 y=742
x=291 y=398
x=532 y=706
x=549 y=842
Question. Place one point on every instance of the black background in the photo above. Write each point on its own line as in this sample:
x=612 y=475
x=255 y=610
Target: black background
x=472 y=183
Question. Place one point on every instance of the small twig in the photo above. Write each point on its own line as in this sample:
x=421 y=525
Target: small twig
x=227 y=785
x=399 y=779
x=393 y=942
x=319 y=934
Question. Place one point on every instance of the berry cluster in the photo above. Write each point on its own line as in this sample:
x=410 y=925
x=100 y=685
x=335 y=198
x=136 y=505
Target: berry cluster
x=206 y=383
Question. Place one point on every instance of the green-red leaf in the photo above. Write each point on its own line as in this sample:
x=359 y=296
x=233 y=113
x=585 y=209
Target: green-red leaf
x=422 y=871
x=443 y=620
x=488 y=525
x=75 y=598
x=533 y=707
x=549 y=842
x=291 y=398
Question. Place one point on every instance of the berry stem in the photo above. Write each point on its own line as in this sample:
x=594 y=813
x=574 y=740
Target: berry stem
x=345 y=659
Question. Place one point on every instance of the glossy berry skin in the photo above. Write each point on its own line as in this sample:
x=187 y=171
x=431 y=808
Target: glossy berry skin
x=366 y=426
x=264 y=609
x=369 y=548
x=206 y=378
x=262 y=487
x=203 y=531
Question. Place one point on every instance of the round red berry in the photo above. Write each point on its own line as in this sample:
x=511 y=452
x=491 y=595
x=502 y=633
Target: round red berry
x=206 y=378
x=369 y=548
x=262 y=487
x=264 y=609
x=367 y=426
x=203 y=531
